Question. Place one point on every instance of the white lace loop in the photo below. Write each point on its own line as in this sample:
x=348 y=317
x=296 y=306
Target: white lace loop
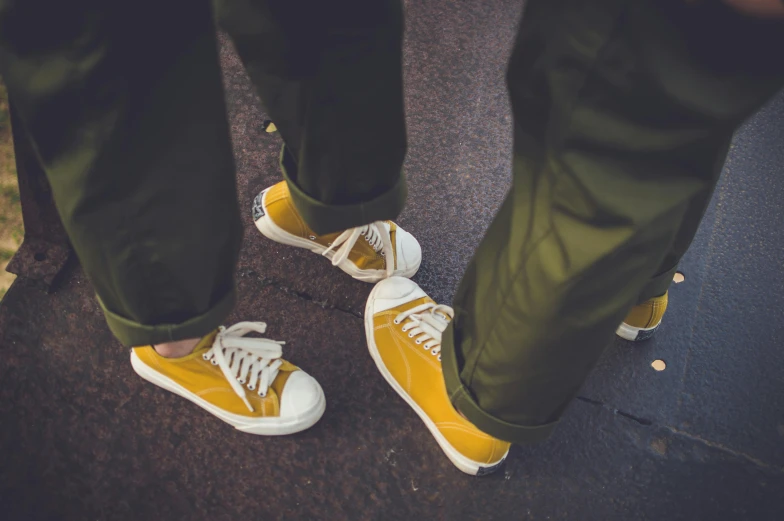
x=426 y=323
x=243 y=360
x=376 y=234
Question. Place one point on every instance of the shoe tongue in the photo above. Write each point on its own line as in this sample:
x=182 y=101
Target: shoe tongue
x=386 y=226
x=206 y=342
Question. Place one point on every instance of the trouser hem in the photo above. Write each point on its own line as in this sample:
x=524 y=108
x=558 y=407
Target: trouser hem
x=326 y=218
x=131 y=333
x=657 y=286
x=463 y=400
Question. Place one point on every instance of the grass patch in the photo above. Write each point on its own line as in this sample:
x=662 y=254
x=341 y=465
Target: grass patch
x=10 y=193
x=11 y=225
x=6 y=254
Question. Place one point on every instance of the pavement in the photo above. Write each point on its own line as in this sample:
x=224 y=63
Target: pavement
x=82 y=437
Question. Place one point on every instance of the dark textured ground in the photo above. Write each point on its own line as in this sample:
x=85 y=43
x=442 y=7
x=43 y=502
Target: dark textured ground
x=81 y=437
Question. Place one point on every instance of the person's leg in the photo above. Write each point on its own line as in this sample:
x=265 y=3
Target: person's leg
x=660 y=282
x=123 y=103
x=330 y=77
x=623 y=111
x=131 y=129
x=644 y=319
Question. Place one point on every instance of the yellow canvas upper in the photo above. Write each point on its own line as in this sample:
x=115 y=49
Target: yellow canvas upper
x=648 y=314
x=207 y=381
x=280 y=208
x=418 y=371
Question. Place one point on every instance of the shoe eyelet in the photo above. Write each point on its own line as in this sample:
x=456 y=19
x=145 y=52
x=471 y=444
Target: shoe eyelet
x=214 y=362
x=383 y=254
x=417 y=341
x=439 y=358
x=433 y=352
x=411 y=335
x=396 y=321
x=312 y=237
x=205 y=357
x=241 y=381
x=251 y=387
x=263 y=395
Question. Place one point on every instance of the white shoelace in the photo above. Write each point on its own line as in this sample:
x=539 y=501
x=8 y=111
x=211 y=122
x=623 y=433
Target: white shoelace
x=243 y=360
x=375 y=234
x=426 y=323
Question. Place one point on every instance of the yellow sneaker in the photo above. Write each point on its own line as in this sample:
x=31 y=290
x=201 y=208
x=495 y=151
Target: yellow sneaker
x=241 y=380
x=403 y=327
x=643 y=320
x=369 y=253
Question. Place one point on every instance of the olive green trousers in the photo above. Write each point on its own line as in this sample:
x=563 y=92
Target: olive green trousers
x=623 y=113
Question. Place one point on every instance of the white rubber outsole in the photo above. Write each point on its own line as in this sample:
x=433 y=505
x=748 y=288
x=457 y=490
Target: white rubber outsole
x=466 y=465
x=274 y=426
x=272 y=231
x=635 y=334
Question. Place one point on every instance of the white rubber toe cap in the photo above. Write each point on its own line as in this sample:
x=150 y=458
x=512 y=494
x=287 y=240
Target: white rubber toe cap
x=393 y=292
x=409 y=252
x=301 y=395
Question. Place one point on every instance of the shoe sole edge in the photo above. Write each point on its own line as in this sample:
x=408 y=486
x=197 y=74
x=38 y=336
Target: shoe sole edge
x=463 y=463
x=636 y=334
x=271 y=427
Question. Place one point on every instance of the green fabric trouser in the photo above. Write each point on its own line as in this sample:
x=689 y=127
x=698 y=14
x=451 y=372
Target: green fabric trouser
x=623 y=113
x=123 y=103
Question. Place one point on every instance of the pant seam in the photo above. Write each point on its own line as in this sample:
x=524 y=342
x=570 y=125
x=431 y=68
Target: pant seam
x=505 y=296
x=572 y=104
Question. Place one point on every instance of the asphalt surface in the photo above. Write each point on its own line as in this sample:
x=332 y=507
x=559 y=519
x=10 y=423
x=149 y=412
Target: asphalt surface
x=82 y=437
